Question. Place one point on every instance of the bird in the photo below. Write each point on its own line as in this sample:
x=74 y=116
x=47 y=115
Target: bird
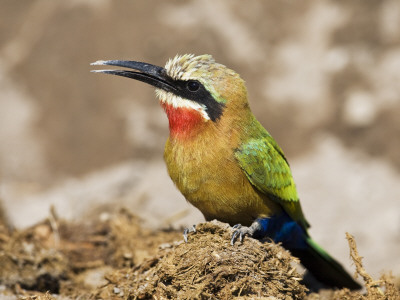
x=225 y=162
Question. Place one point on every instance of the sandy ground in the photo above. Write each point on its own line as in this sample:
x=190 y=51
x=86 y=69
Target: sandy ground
x=322 y=78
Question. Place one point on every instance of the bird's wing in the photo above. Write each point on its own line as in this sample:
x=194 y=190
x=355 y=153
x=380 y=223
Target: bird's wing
x=267 y=169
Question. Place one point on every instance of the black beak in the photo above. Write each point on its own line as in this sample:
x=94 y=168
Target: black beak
x=148 y=73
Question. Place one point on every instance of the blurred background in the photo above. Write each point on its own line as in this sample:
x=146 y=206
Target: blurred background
x=323 y=78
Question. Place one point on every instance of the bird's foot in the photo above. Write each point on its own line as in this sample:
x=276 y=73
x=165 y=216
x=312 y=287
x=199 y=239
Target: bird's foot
x=242 y=231
x=186 y=231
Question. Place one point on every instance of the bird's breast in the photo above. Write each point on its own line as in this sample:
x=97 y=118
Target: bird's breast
x=206 y=172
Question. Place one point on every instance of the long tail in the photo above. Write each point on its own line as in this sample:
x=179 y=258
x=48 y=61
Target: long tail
x=294 y=237
x=324 y=268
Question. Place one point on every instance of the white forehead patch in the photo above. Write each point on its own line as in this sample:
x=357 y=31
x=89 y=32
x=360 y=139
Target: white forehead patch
x=183 y=66
x=176 y=101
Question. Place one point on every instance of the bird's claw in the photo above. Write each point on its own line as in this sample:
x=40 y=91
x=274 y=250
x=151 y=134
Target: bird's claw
x=242 y=231
x=237 y=226
x=186 y=231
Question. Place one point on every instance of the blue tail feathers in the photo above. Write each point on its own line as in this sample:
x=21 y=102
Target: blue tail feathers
x=282 y=229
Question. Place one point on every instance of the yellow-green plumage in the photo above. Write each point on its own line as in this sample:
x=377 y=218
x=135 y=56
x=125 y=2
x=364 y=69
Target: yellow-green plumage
x=223 y=160
x=207 y=172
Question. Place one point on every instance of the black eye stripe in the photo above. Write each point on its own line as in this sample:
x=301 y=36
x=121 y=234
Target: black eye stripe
x=200 y=95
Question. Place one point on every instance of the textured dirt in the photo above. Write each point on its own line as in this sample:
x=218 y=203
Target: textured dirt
x=113 y=257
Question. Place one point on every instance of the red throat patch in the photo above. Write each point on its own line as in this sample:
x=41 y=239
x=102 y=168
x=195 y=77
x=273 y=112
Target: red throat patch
x=183 y=121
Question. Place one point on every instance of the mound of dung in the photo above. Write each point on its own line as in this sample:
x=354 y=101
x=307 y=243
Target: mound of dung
x=116 y=258
x=208 y=267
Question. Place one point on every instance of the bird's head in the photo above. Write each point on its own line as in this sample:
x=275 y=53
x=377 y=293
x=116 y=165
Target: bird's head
x=192 y=89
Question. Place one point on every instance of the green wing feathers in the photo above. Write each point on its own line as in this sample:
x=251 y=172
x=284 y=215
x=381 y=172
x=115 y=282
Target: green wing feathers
x=267 y=169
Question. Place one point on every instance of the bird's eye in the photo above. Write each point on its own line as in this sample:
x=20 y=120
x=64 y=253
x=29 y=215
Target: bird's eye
x=193 y=86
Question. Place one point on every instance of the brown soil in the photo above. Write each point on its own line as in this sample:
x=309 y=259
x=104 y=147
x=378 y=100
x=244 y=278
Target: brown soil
x=113 y=257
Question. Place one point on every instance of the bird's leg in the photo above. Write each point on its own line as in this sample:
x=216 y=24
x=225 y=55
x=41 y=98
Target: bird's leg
x=280 y=229
x=188 y=230
x=242 y=231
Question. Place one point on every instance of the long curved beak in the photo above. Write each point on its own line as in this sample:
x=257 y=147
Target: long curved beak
x=148 y=73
